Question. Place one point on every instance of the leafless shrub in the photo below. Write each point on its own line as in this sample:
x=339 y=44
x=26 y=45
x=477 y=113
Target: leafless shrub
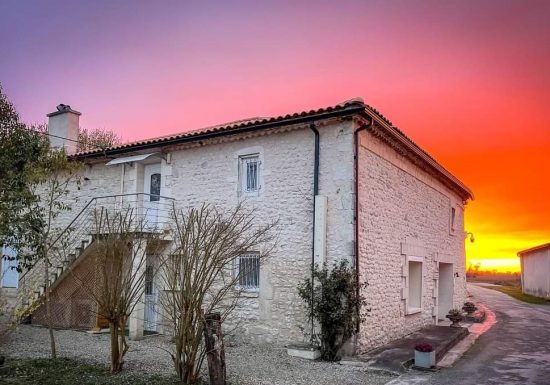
x=200 y=278
x=122 y=241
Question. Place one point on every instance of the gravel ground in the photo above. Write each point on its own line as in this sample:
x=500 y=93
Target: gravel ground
x=246 y=365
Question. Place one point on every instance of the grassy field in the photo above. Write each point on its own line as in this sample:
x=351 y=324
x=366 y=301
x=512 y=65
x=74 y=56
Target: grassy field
x=515 y=292
x=69 y=372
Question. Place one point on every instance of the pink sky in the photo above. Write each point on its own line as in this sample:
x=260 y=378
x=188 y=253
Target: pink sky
x=467 y=80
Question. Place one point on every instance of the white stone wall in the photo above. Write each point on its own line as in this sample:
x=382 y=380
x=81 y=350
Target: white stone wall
x=403 y=212
x=209 y=173
x=535 y=273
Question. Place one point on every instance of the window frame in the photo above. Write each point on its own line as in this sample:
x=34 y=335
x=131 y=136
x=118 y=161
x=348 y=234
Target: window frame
x=237 y=272
x=6 y=265
x=243 y=174
x=452 y=219
x=410 y=309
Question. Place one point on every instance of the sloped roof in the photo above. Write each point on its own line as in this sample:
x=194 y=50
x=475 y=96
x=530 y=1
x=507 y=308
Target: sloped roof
x=534 y=249
x=228 y=127
x=350 y=107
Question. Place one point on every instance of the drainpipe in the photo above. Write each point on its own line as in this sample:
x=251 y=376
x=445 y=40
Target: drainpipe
x=356 y=166
x=315 y=193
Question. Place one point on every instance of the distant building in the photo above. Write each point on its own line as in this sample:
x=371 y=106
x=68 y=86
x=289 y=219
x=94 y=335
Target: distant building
x=535 y=270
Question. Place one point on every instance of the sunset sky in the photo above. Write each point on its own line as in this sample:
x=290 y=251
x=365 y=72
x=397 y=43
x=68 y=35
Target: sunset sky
x=469 y=81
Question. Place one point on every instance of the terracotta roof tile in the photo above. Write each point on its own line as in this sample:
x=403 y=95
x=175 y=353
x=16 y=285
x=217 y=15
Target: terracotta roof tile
x=352 y=106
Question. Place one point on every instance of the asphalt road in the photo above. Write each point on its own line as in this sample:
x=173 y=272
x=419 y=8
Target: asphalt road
x=516 y=350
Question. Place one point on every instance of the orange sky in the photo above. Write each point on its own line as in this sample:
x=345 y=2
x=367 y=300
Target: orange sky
x=468 y=80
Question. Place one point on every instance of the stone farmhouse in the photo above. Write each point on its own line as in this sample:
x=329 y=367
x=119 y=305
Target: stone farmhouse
x=345 y=184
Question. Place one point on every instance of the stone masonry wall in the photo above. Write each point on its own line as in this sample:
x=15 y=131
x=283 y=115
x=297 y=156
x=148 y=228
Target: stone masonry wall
x=209 y=173
x=403 y=212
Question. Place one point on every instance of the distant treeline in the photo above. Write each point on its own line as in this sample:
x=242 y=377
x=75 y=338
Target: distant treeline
x=476 y=271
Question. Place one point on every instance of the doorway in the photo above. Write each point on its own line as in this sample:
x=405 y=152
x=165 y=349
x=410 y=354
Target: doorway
x=446 y=289
x=150 y=321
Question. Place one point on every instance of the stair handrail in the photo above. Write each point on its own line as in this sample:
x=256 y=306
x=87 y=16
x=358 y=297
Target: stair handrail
x=86 y=206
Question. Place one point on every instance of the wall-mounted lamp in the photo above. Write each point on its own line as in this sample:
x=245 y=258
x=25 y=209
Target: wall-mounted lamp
x=471 y=236
x=456 y=275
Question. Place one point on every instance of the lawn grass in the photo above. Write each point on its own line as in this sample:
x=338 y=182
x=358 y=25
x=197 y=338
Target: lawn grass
x=64 y=371
x=515 y=292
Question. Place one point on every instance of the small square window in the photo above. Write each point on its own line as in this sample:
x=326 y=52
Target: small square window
x=247 y=270
x=249 y=173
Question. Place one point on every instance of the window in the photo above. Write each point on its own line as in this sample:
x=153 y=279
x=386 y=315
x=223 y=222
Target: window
x=248 y=271
x=8 y=275
x=415 y=285
x=249 y=173
x=453 y=218
x=154 y=188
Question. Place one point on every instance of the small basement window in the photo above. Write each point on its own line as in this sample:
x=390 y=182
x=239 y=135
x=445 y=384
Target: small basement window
x=249 y=173
x=415 y=285
x=248 y=271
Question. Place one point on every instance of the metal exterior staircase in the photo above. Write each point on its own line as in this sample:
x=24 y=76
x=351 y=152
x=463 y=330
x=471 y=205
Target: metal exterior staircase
x=151 y=213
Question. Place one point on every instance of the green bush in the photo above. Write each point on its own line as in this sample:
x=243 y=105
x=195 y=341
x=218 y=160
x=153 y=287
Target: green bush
x=337 y=304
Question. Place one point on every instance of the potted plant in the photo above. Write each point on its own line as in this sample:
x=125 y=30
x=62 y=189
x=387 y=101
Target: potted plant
x=424 y=355
x=469 y=308
x=455 y=316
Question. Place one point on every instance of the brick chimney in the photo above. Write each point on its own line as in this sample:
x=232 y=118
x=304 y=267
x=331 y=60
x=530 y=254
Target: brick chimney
x=63 y=125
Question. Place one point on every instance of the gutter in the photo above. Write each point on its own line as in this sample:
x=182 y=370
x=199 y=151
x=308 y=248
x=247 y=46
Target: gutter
x=356 y=167
x=315 y=193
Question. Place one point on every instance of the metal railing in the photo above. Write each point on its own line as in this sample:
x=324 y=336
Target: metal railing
x=145 y=213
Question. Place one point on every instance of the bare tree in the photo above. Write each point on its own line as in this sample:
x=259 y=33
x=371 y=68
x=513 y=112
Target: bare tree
x=122 y=242
x=56 y=177
x=201 y=281
x=98 y=138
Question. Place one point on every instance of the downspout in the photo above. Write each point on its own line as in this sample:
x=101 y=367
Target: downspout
x=356 y=167
x=315 y=193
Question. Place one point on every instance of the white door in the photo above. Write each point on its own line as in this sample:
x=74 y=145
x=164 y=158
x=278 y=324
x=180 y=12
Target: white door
x=152 y=188
x=9 y=276
x=446 y=289
x=150 y=321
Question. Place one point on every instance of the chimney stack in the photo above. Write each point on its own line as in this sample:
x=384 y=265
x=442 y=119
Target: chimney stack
x=63 y=128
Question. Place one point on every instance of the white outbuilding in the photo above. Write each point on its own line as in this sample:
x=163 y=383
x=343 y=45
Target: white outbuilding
x=535 y=270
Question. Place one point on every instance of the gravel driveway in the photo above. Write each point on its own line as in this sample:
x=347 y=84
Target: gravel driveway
x=246 y=365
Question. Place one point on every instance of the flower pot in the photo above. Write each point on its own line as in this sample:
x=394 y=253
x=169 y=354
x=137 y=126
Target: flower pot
x=455 y=319
x=424 y=359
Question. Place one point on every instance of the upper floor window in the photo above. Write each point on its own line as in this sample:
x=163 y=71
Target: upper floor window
x=452 y=220
x=249 y=173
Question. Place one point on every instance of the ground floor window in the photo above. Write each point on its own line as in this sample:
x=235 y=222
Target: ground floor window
x=9 y=277
x=248 y=271
x=415 y=284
